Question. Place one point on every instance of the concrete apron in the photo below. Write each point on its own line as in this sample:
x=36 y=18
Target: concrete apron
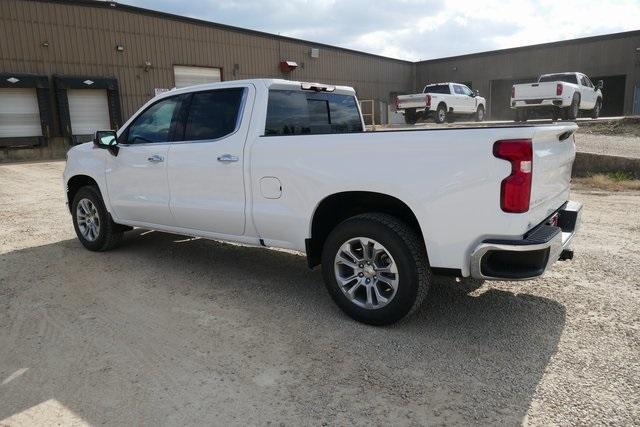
x=55 y=149
x=587 y=164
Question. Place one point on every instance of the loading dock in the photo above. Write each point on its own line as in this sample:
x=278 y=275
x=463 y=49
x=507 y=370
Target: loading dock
x=19 y=113
x=88 y=111
x=613 y=95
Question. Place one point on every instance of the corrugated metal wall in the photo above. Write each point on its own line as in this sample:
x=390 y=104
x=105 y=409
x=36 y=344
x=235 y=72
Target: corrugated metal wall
x=82 y=42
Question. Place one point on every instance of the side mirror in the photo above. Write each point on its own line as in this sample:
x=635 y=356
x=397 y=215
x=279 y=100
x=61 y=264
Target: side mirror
x=599 y=84
x=476 y=93
x=107 y=140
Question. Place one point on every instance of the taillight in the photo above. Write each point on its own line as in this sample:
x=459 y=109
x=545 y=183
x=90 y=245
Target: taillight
x=513 y=91
x=427 y=99
x=515 y=191
x=559 y=89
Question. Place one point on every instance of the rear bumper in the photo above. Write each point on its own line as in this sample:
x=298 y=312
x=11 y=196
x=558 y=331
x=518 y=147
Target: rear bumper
x=402 y=110
x=534 y=103
x=531 y=256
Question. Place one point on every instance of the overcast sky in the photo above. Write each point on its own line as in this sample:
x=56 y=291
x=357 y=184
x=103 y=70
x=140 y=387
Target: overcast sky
x=416 y=29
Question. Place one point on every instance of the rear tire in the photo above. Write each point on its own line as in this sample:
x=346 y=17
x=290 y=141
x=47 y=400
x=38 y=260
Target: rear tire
x=398 y=249
x=573 y=110
x=480 y=114
x=522 y=115
x=441 y=114
x=410 y=117
x=595 y=113
x=91 y=220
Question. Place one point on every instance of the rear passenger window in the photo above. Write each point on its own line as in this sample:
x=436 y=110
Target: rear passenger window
x=443 y=89
x=291 y=112
x=213 y=114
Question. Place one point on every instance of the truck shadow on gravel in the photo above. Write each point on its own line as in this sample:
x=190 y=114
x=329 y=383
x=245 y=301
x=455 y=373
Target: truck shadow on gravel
x=139 y=334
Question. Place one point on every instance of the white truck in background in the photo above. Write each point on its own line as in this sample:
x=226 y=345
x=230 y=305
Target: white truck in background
x=442 y=101
x=278 y=163
x=562 y=94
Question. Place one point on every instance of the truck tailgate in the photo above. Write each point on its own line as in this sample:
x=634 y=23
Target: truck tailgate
x=544 y=90
x=412 y=101
x=553 y=155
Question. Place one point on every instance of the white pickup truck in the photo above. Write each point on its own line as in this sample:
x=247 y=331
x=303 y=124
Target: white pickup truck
x=442 y=101
x=562 y=94
x=284 y=164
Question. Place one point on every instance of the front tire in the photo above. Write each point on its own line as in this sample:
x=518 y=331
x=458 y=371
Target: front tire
x=595 y=113
x=480 y=113
x=91 y=220
x=375 y=268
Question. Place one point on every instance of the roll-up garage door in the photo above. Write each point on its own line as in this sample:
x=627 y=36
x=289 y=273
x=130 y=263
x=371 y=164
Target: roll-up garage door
x=19 y=113
x=88 y=111
x=189 y=76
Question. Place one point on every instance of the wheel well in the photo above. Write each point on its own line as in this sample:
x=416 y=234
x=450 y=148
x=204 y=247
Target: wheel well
x=76 y=183
x=341 y=206
x=443 y=104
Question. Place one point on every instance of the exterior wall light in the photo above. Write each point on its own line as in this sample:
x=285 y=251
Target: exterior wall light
x=120 y=48
x=288 y=66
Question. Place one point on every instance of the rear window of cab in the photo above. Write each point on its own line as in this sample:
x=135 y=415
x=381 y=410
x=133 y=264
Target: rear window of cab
x=296 y=112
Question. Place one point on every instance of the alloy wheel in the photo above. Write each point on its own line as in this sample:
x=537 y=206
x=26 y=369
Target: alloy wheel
x=366 y=273
x=88 y=219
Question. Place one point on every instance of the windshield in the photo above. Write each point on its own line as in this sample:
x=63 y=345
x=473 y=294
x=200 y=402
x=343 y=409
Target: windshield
x=567 y=78
x=437 y=89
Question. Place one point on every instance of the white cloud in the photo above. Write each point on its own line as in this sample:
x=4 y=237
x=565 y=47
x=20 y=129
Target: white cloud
x=417 y=29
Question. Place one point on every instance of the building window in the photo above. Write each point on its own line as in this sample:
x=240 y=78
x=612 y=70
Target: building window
x=188 y=76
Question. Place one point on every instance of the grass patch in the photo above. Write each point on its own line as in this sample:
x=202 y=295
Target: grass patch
x=616 y=181
x=629 y=126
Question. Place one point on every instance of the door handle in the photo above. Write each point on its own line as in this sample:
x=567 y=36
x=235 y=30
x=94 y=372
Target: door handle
x=227 y=158
x=156 y=159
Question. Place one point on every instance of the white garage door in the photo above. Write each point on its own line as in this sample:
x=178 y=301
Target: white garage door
x=88 y=111
x=19 y=113
x=189 y=76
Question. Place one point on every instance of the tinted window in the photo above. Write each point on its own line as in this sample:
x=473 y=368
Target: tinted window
x=437 y=89
x=293 y=112
x=585 y=81
x=567 y=78
x=153 y=125
x=466 y=91
x=213 y=114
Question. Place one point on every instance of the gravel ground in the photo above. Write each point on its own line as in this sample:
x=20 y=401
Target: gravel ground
x=613 y=145
x=177 y=331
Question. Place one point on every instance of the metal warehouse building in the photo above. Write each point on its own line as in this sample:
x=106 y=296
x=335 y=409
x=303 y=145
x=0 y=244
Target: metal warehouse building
x=70 y=67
